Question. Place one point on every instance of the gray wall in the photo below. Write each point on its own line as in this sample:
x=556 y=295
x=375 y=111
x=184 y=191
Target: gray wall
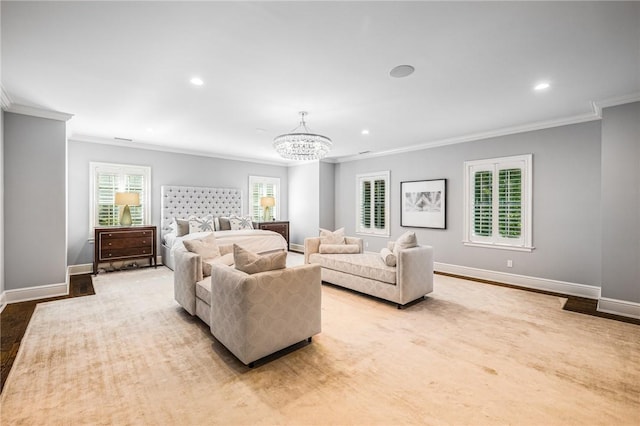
x=566 y=201
x=304 y=201
x=166 y=169
x=34 y=211
x=327 y=196
x=621 y=202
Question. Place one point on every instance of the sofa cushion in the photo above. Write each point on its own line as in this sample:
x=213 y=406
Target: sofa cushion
x=329 y=237
x=203 y=290
x=226 y=259
x=206 y=247
x=388 y=257
x=367 y=265
x=338 y=248
x=406 y=240
x=252 y=263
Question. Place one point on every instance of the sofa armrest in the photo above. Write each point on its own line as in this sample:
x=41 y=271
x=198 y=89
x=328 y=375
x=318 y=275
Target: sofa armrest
x=311 y=245
x=355 y=240
x=188 y=271
x=415 y=272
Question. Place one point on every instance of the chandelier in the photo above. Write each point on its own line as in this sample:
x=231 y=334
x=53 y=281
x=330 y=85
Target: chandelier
x=300 y=144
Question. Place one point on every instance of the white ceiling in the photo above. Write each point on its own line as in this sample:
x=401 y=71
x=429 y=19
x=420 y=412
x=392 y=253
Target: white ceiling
x=122 y=68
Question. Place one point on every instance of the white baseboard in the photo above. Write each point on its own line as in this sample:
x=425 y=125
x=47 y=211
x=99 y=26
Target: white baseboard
x=37 y=292
x=3 y=300
x=619 y=307
x=296 y=247
x=86 y=268
x=563 y=287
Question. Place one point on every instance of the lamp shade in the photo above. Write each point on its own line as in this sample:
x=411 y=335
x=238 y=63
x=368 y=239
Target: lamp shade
x=127 y=199
x=267 y=201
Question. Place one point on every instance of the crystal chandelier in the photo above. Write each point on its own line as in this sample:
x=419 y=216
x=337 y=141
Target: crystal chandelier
x=300 y=144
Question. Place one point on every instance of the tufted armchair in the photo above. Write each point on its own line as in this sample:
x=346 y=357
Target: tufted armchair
x=256 y=315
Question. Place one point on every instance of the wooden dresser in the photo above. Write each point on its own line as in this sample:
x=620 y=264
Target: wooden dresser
x=124 y=243
x=279 y=226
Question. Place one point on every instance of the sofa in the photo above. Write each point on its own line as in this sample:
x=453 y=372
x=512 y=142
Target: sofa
x=255 y=315
x=366 y=272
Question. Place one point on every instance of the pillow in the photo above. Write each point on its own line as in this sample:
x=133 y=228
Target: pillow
x=205 y=247
x=216 y=223
x=252 y=263
x=224 y=224
x=226 y=259
x=180 y=227
x=388 y=257
x=406 y=240
x=339 y=248
x=335 y=237
x=201 y=224
x=238 y=223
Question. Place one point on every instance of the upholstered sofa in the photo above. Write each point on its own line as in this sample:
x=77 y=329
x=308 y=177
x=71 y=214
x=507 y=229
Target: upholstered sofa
x=366 y=272
x=255 y=315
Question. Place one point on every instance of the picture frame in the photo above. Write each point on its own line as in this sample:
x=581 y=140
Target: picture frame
x=423 y=204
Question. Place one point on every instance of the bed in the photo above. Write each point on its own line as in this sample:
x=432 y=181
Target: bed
x=181 y=202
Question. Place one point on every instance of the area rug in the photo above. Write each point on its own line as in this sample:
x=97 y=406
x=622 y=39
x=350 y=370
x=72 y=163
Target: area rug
x=470 y=354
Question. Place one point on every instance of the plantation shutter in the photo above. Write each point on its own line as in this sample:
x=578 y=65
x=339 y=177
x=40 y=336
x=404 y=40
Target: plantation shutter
x=379 y=199
x=372 y=203
x=483 y=203
x=107 y=211
x=262 y=187
x=510 y=202
x=135 y=183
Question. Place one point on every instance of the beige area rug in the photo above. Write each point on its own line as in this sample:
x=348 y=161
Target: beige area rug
x=471 y=354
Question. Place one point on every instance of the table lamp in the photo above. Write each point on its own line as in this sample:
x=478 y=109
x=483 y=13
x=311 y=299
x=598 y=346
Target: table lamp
x=267 y=203
x=127 y=199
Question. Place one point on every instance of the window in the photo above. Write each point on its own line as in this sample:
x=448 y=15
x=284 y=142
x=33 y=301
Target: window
x=106 y=180
x=259 y=187
x=498 y=203
x=372 y=209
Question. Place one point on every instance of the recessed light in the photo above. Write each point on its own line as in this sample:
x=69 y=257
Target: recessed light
x=197 y=81
x=402 y=71
x=542 y=86
x=365 y=131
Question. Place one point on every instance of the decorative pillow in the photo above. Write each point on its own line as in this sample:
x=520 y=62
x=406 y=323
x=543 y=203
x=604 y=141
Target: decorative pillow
x=252 y=263
x=226 y=259
x=335 y=237
x=339 y=248
x=388 y=257
x=406 y=240
x=180 y=227
x=201 y=224
x=224 y=224
x=205 y=247
x=390 y=245
x=238 y=223
x=216 y=223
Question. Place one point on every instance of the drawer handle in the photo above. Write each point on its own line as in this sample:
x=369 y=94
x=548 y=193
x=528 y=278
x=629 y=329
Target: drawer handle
x=109 y=234
x=109 y=243
x=109 y=254
x=144 y=241
x=144 y=251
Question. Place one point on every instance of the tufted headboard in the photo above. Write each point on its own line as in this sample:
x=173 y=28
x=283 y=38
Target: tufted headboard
x=184 y=201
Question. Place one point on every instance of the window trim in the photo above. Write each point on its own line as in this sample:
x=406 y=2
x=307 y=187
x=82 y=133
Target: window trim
x=525 y=162
x=276 y=211
x=386 y=175
x=95 y=166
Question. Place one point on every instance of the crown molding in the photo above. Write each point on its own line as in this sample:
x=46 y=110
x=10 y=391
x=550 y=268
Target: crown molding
x=38 y=112
x=152 y=147
x=5 y=98
x=595 y=114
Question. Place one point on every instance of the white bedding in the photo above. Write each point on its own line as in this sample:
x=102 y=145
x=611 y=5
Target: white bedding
x=255 y=240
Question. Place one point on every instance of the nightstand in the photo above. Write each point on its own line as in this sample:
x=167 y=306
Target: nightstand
x=279 y=226
x=124 y=243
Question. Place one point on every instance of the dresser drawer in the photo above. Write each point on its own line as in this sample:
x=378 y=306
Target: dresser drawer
x=125 y=252
x=116 y=235
x=116 y=243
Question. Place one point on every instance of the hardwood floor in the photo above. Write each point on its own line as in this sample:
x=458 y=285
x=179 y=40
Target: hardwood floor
x=16 y=316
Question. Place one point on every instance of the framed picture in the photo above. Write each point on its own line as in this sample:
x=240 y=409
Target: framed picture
x=423 y=204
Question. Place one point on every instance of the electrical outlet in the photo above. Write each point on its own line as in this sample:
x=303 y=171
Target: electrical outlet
x=509 y=263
